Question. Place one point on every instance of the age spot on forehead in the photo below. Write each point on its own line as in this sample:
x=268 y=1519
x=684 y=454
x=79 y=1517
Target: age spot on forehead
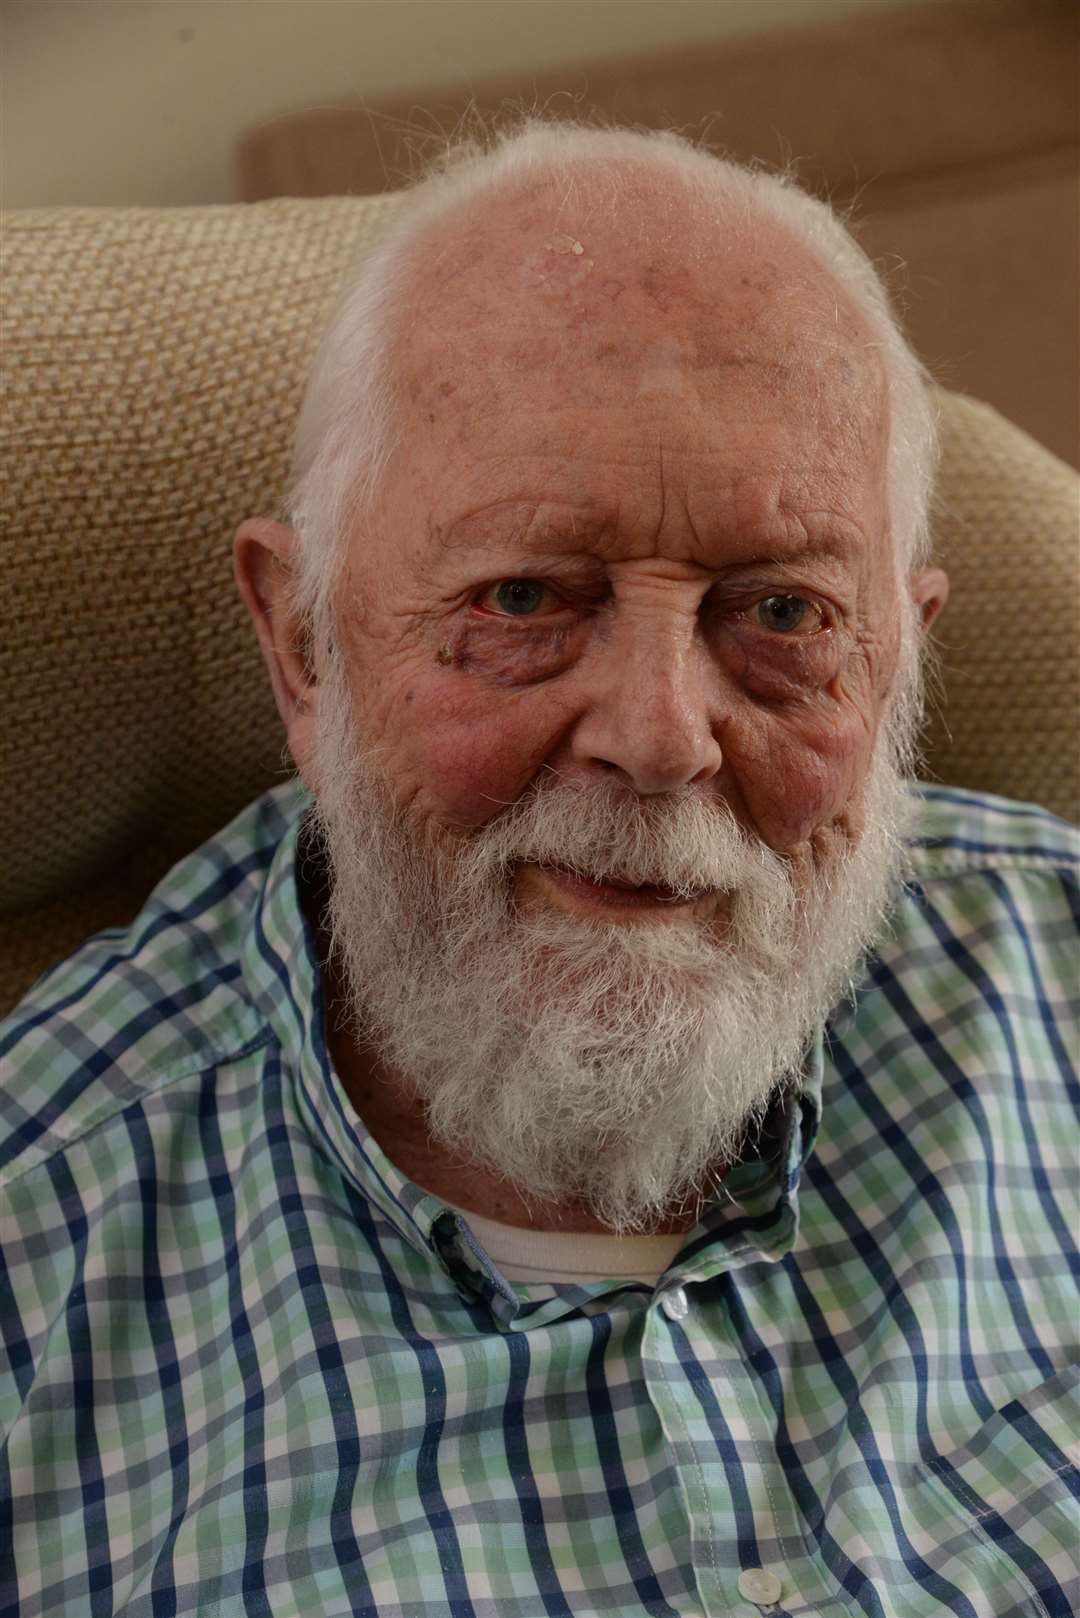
x=562 y=243
x=763 y=279
x=662 y=369
x=559 y=265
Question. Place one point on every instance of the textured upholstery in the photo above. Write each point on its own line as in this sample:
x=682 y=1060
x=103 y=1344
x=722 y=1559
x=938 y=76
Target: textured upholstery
x=155 y=361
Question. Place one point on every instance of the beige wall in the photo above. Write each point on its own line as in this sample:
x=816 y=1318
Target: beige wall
x=141 y=101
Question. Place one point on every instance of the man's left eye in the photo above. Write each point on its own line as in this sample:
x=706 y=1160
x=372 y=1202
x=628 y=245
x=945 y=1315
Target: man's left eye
x=789 y=615
x=519 y=598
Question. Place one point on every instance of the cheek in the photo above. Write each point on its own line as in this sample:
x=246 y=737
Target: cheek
x=459 y=754
x=802 y=776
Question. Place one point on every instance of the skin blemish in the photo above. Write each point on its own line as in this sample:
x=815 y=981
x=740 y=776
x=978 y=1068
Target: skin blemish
x=657 y=288
x=662 y=368
x=763 y=281
x=505 y=652
x=835 y=687
x=562 y=243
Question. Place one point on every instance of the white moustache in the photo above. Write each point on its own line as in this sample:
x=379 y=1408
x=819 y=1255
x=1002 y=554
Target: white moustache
x=681 y=843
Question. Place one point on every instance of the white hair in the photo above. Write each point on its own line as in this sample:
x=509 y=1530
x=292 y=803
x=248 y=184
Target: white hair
x=350 y=414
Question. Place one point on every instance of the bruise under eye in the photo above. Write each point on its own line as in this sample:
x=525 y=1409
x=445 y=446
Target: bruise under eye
x=508 y=649
x=775 y=665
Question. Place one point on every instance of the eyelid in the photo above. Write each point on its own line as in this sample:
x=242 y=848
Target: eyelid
x=742 y=599
x=480 y=598
x=816 y=607
x=568 y=595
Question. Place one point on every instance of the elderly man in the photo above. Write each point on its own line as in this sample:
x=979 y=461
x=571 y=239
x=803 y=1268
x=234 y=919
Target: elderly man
x=598 y=1143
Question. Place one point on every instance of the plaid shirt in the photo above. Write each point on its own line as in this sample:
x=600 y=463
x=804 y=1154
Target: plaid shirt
x=250 y=1369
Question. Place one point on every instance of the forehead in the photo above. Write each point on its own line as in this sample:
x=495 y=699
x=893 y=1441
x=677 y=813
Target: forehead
x=511 y=281
x=556 y=328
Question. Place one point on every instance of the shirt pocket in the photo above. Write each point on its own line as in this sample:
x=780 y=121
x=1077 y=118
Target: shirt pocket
x=987 y=1530
x=1018 y=1482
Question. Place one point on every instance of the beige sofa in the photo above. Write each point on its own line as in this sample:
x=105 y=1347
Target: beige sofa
x=154 y=365
x=951 y=129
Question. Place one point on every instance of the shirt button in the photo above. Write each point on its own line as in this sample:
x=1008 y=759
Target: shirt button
x=758 y=1585
x=676 y=1305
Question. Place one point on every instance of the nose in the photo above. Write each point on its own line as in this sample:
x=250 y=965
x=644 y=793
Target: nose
x=650 y=720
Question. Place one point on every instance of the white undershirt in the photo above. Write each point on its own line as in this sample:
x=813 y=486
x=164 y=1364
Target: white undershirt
x=544 y=1255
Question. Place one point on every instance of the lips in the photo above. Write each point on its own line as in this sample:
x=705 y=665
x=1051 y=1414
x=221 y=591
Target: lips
x=646 y=890
x=615 y=888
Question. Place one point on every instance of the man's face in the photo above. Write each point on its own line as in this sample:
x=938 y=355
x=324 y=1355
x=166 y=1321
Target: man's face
x=636 y=532
x=597 y=762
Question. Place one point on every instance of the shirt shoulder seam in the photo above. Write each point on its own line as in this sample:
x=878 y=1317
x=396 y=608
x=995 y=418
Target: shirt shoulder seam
x=186 y=1069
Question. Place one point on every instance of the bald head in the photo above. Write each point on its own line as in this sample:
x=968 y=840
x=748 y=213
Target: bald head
x=654 y=305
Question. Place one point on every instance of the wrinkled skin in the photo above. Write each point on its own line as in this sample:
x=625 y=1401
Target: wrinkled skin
x=664 y=430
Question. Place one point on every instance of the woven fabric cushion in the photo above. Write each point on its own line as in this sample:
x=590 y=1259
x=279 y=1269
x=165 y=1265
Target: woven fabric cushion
x=154 y=362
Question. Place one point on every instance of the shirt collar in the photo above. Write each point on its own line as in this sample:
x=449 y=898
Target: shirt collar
x=281 y=968
x=753 y=1218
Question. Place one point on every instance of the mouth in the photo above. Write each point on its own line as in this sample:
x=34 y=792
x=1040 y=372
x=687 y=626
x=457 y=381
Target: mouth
x=609 y=895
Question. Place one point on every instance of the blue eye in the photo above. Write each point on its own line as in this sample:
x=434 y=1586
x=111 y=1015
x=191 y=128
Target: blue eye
x=519 y=597
x=785 y=614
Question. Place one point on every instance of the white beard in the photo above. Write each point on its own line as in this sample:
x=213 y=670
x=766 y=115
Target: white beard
x=617 y=1067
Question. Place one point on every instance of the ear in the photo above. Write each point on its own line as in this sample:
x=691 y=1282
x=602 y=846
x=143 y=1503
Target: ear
x=929 y=589
x=264 y=562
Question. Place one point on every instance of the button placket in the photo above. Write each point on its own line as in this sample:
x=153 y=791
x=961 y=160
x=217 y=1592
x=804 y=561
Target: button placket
x=707 y=1436
x=671 y=1397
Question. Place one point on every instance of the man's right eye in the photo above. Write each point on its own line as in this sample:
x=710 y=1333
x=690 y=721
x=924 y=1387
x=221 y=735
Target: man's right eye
x=790 y=615
x=517 y=598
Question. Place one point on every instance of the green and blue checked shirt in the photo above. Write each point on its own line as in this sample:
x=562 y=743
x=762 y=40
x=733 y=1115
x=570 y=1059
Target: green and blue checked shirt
x=249 y=1369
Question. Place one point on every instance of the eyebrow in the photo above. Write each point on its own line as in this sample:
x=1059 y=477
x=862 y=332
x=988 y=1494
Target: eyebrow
x=567 y=526
x=556 y=530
